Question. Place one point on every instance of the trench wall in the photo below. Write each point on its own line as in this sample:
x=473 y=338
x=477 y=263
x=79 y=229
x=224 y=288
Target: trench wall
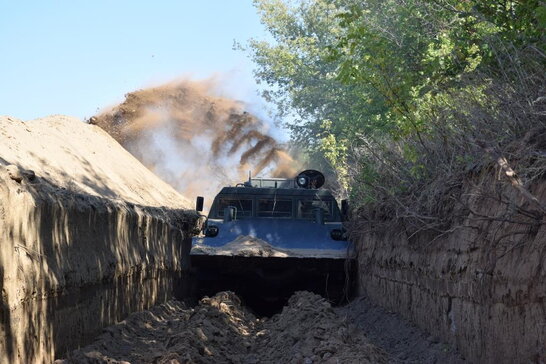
x=480 y=286
x=71 y=264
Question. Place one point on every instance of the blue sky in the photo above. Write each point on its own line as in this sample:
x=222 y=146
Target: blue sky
x=75 y=57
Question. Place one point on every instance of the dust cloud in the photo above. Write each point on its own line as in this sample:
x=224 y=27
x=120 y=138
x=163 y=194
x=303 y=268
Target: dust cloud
x=195 y=141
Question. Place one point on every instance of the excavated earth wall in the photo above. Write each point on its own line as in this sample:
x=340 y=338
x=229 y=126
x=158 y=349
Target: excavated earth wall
x=83 y=241
x=481 y=285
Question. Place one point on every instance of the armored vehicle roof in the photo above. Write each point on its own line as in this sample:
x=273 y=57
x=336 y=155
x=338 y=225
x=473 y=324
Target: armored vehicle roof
x=274 y=191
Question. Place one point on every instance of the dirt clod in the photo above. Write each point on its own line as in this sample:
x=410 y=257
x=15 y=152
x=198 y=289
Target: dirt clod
x=14 y=173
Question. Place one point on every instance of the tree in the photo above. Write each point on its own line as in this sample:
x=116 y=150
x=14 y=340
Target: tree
x=301 y=80
x=394 y=93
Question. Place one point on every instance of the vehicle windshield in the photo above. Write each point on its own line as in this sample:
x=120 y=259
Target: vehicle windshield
x=306 y=209
x=274 y=208
x=285 y=207
x=243 y=207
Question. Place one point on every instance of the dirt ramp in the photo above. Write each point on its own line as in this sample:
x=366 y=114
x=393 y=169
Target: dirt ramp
x=87 y=236
x=221 y=330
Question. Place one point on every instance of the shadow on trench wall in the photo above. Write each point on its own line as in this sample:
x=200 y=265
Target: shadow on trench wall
x=481 y=286
x=71 y=264
x=5 y=321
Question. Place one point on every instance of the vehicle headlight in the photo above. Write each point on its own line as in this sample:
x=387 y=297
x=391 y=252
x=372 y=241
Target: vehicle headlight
x=338 y=234
x=211 y=231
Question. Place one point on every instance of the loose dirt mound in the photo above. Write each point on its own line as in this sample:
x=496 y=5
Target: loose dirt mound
x=309 y=331
x=83 y=159
x=221 y=330
x=248 y=246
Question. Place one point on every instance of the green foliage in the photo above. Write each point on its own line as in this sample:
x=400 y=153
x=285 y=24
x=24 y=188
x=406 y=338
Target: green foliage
x=301 y=80
x=392 y=93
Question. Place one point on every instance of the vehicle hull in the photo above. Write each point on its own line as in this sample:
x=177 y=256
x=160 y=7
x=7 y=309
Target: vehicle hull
x=266 y=283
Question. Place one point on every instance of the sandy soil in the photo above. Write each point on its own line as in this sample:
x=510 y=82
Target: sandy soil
x=87 y=234
x=308 y=330
x=82 y=158
x=221 y=330
x=404 y=342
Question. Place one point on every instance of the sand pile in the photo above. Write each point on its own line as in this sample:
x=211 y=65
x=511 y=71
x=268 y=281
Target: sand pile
x=309 y=331
x=221 y=330
x=83 y=159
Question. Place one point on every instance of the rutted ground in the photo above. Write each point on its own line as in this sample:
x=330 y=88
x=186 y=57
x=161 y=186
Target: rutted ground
x=221 y=330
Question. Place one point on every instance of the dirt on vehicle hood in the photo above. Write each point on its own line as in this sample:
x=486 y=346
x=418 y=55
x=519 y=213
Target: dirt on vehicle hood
x=248 y=246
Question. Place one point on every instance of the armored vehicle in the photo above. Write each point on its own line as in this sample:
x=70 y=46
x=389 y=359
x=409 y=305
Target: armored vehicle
x=269 y=237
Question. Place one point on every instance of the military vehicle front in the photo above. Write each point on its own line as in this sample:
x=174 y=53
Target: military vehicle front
x=268 y=237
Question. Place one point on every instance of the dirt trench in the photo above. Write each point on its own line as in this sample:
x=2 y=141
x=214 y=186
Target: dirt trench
x=223 y=330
